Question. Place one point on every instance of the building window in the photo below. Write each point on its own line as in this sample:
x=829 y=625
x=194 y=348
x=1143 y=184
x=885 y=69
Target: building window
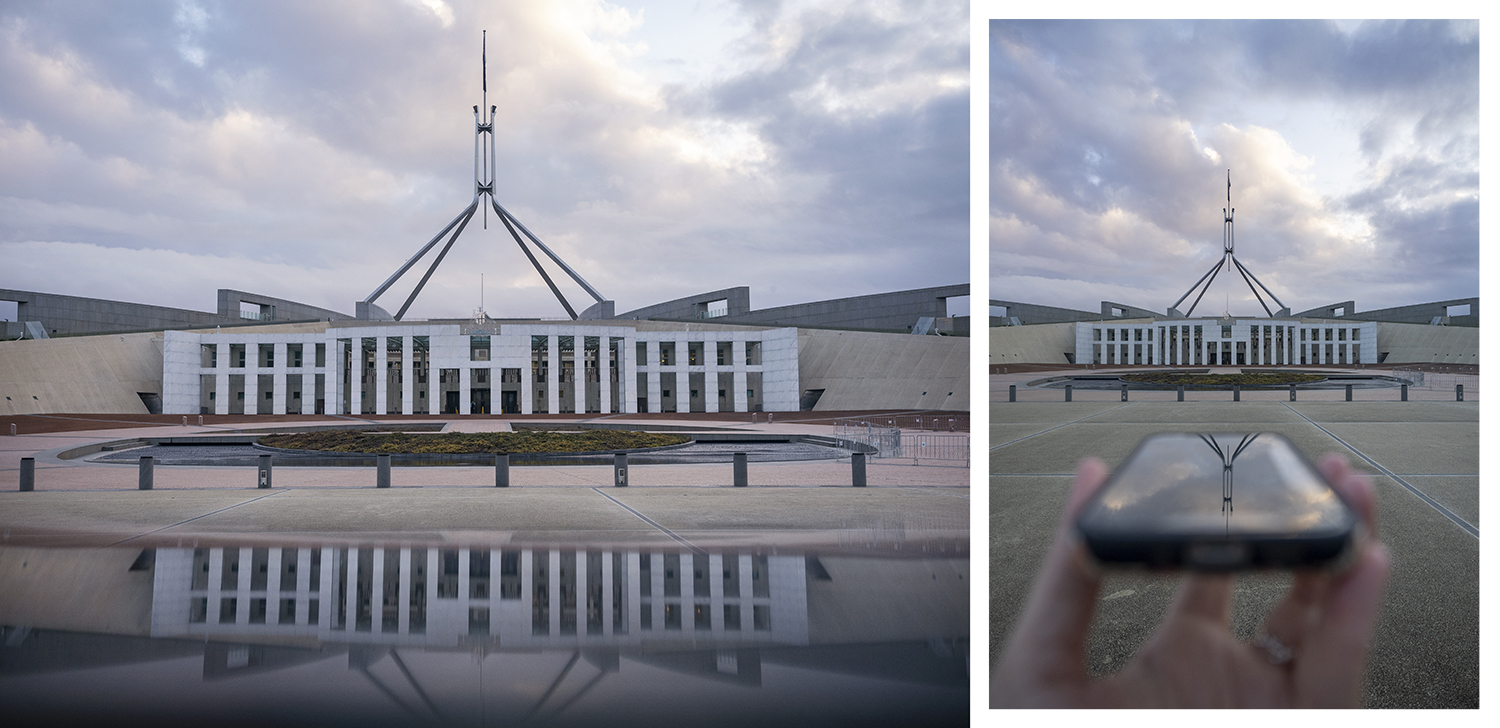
x=1227 y=331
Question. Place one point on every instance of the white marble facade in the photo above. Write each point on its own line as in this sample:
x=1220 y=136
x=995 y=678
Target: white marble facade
x=530 y=368
x=1226 y=342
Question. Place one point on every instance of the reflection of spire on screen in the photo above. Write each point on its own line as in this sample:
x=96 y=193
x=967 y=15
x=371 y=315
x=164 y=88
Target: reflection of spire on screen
x=1227 y=507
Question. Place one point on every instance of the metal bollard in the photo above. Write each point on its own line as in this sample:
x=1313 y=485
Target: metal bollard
x=1236 y=392
x=1348 y=392
x=622 y=470
x=1124 y=392
x=383 y=471
x=1294 y=393
x=1403 y=393
x=28 y=474
x=502 y=470
x=952 y=424
x=1181 y=392
x=200 y=420
x=1068 y=393
x=770 y=416
x=1012 y=394
x=12 y=428
x=184 y=420
x=147 y=472
x=264 y=475
x=741 y=470
x=857 y=464
x=1460 y=392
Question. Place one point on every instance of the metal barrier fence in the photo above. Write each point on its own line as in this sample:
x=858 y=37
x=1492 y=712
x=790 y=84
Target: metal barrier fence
x=892 y=442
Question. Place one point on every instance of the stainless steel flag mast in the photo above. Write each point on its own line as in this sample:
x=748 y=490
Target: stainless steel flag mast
x=1229 y=258
x=484 y=192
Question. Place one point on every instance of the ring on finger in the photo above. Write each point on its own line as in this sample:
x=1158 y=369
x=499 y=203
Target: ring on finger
x=1276 y=652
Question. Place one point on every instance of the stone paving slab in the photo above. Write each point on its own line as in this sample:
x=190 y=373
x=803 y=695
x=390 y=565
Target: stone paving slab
x=1457 y=493
x=1429 y=448
x=1388 y=411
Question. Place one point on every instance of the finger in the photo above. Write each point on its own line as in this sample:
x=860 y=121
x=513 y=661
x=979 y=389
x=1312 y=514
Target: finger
x=1330 y=671
x=1088 y=478
x=1297 y=612
x=1206 y=597
x=1049 y=638
x=1354 y=487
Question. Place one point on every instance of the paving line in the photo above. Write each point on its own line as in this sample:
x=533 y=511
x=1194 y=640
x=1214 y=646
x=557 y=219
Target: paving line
x=653 y=524
x=1059 y=427
x=194 y=518
x=1461 y=523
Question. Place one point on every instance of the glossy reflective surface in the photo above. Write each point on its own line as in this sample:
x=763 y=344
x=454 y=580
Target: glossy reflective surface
x=486 y=634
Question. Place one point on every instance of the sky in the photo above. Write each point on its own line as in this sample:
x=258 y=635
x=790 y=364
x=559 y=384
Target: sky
x=154 y=152
x=1353 y=148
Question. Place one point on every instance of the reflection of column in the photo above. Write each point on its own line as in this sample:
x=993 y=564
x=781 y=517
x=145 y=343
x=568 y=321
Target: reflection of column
x=463 y=580
x=377 y=588
x=432 y=580
x=747 y=596
x=658 y=592
x=273 y=585
x=607 y=586
x=326 y=601
x=351 y=586
x=631 y=604
x=581 y=590
x=716 y=592
x=554 y=592
x=580 y=377
x=304 y=579
x=215 y=585
x=242 y=592
x=528 y=593
x=403 y=592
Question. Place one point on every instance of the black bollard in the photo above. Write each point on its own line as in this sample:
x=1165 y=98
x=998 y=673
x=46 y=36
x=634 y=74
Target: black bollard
x=265 y=472
x=146 y=472
x=383 y=471
x=622 y=470
x=1294 y=393
x=1236 y=392
x=1403 y=393
x=857 y=464
x=1181 y=391
x=741 y=470
x=1124 y=392
x=1012 y=392
x=1348 y=392
x=1068 y=393
x=28 y=474
x=502 y=470
x=1460 y=392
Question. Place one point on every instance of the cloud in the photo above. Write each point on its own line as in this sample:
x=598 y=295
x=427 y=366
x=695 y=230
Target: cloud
x=825 y=155
x=1110 y=140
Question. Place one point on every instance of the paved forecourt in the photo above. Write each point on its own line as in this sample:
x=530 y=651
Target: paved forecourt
x=808 y=503
x=1424 y=461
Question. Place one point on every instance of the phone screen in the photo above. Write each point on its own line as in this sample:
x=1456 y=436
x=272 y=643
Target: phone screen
x=1196 y=490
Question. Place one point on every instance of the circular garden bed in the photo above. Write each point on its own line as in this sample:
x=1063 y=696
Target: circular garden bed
x=1172 y=380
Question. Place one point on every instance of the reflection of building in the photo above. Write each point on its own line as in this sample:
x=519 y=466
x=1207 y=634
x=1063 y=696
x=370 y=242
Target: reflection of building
x=516 y=598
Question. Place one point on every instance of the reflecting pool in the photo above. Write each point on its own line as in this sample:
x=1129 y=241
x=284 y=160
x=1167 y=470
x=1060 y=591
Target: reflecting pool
x=360 y=633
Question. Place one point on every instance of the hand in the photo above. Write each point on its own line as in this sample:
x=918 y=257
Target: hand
x=1193 y=661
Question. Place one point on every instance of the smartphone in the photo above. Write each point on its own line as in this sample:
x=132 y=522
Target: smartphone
x=1217 y=502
